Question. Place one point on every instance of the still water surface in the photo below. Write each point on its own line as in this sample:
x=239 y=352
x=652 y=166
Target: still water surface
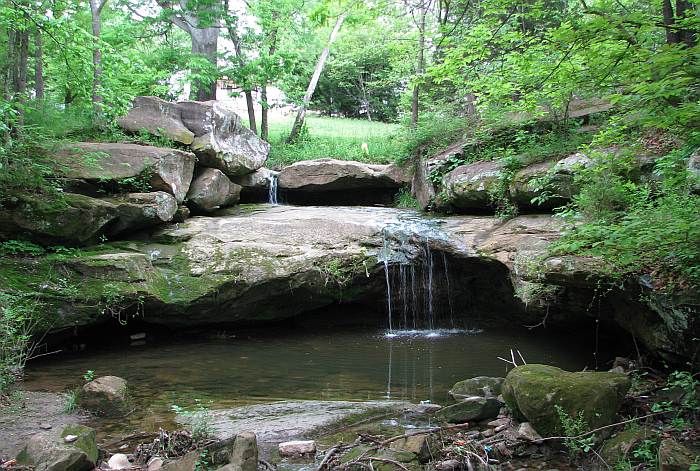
x=328 y=365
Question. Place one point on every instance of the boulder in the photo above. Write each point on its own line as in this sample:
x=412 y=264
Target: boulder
x=673 y=456
x=483 y=386
x=117 y=166
x=105 y=396
x=221 y=140
x=211 y=189
x=534 y=392
x=212 y=130
x=468 y=187
x=330 y=181
x=297 y=448
x=473 y=408
x=48 y=451
x=77 y=219
x=157 y=117
x=136 y=211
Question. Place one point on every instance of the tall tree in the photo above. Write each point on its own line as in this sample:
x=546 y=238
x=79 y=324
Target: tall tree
x=301 y=114
x=200 y=19
x=96 y=7
x=38 y=65
x=420 y=62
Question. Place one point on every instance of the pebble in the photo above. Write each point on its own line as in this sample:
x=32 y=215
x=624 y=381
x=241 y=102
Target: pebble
x=488 y=433
x=70 y=438
x=118 y=461
x=297 y=447
x=45 y=426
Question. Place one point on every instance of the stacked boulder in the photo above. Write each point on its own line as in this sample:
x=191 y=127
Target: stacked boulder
x=112 y=189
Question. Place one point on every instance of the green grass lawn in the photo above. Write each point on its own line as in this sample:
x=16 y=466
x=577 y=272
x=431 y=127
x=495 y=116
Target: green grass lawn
x=337 y=138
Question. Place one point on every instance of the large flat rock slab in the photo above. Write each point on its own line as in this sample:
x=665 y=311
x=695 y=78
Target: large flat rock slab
x=287 y=420
x=332 y=181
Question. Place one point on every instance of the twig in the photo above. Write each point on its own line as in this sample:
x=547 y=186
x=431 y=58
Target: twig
x=327 y=458
x=590 y=432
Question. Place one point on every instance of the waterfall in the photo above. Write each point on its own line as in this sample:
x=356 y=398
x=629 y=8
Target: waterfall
x=272 y=189
x=388 y=294
x=418 y=290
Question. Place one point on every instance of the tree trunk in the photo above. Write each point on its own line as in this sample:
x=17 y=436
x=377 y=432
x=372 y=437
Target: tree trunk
x=301 y=114
x=265 y=106
x=685 y=35
x=22 y=73
x=672 y=36
x=250 y=104
x=38 y=66
x=204 y=43
x=420 y=66
x=96 y=7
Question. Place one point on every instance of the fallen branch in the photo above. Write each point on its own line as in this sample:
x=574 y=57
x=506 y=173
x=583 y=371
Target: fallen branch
x=591 y=432
x=386 y=460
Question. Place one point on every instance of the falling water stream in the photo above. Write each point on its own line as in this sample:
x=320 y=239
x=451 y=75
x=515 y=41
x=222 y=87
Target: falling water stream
x=272 y=189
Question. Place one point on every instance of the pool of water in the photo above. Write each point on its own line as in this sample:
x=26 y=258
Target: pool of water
x=327 y=365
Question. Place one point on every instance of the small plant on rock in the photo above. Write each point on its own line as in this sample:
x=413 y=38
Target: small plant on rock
x=199 y=419
x=574 y=427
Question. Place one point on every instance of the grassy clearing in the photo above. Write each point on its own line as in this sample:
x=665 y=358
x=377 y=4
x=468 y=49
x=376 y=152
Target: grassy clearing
x=337 y=138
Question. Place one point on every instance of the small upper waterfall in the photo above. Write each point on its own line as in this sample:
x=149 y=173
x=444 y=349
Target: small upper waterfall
x=418 y=288
x=272 y=189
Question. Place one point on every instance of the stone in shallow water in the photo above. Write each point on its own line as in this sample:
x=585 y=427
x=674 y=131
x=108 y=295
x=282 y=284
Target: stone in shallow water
x=105 y=396
x=297 y=447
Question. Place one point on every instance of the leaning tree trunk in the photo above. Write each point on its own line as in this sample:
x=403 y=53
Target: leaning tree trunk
x=38 y=66
x=301 y=114
x=420 y=66
x=22 y=42
x=204 y=44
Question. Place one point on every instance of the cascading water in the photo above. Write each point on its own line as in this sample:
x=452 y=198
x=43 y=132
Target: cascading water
x=272 y=189
x=417 y=305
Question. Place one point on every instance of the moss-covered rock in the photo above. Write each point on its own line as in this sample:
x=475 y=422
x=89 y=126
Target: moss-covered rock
x=483 y=386
x=674 y=456
x=473 y=408
x=50 y=451
x=535 y=391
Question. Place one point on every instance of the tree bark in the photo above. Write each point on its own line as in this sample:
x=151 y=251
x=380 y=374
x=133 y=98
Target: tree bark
x=38 y=66
x=22 y=73
x=420 y=66
x=672 y=36
x=301 y=114
x=96 y=7
x=205 y=42
x=265 y=106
